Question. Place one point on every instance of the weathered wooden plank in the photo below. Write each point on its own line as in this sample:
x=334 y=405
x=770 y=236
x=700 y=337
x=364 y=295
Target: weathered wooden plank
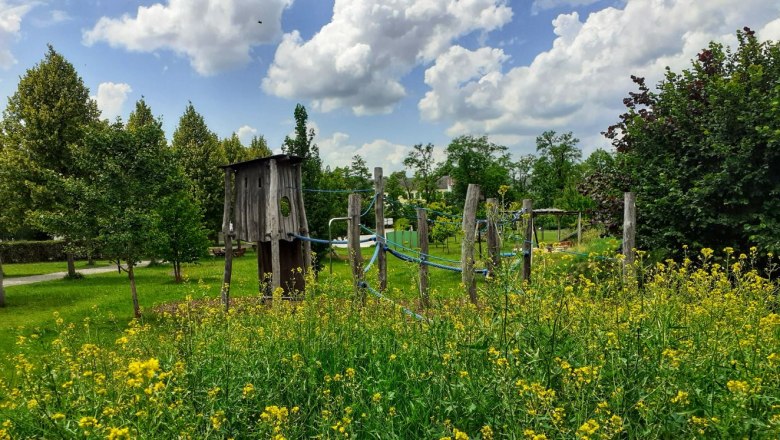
x=272 y=224
x=528 y=211
x=379 y=213
x=629 y=230
x=422 y=238
x=228 y=242
x=467 y=244
x=304 y=224
x=493 y=243
x=353 y=240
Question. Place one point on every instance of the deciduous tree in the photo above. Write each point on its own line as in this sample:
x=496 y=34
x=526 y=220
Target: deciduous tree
x=704 y=150
x=43 y=126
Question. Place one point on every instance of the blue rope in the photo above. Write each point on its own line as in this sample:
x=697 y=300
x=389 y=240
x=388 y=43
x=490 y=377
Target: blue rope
x=426 y=256
x=364 y=285
x=410 y=259
x=321 y=241
x=373 y=258
x=373 y=199
x=342 y=191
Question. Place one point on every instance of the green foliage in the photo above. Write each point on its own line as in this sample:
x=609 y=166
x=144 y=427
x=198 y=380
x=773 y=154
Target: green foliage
x=258 y=148
x=604 y=183
x=704 y=150
x=184 y=238
x=32 y=251
x=198 y=150
x=476 y=160
x=555 y=171
x=43 y=126
x=420 y=161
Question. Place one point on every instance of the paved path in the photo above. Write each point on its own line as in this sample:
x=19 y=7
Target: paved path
x=8 y=282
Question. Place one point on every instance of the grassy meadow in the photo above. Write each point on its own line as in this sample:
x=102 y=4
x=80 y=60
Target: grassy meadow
x=685 y=349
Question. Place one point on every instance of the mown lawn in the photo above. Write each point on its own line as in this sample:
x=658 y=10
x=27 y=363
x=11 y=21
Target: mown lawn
x=15 y=270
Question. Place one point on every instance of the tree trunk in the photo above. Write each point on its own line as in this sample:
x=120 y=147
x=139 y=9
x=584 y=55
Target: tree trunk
x=71 y=265
x=2 y=289
x=131 y=276
x=177 y=272
x=90 y=252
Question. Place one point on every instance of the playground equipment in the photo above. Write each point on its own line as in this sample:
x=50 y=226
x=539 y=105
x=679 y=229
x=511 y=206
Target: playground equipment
x=269 y=211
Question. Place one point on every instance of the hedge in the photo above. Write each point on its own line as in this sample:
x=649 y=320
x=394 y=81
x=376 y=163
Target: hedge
x=32 y=251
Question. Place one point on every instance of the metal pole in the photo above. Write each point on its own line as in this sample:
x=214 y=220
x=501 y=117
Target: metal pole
x=330 y=240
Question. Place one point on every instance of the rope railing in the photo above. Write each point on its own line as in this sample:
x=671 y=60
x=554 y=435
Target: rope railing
x=335 y=191
x=322 y=241
x=417 y=316
x=371 y=262
x=410 y=259
x=426 y=256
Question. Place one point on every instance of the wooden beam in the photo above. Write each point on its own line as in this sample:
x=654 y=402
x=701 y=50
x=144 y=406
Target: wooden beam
x=467 y=244
x=493 y=243
x=227 y=234
x=304 y=228
x=528 y=210
x=379 y=214
x=272 y=225
x=353 y=240
x=629 y=230
x=422 y=239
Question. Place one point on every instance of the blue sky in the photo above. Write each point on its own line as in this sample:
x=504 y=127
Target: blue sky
x=376 y=76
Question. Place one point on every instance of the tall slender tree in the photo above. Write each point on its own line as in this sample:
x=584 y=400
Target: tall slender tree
x=43 y=127
x=199 y=151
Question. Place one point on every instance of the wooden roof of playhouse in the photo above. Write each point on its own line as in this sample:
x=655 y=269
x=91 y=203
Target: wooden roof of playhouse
x=252 y=190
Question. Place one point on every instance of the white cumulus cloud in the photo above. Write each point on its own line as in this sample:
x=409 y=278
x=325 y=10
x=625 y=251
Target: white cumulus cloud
x=338 y=150
x=358 y=59
x=245 y=134
x=111 y=98
x=11 y=15
x=216 y=35
x=580 y=82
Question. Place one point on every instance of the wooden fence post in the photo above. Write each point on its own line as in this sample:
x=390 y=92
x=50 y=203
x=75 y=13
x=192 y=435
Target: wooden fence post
x=227 y=234
x=304 y=228
x=422 y=239
x=629 y=230
x=579 y=228
x=353 y=238
x=467 y=244
x=272 y=224
x=528 y=210
x=379 y=213
x=493 y=244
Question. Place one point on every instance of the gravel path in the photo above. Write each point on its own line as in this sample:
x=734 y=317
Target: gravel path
x=8 y=282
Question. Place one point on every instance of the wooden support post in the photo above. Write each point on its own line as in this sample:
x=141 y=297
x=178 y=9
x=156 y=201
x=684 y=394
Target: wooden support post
x=467 y=244
x=304 y=229
x=579 y=228
x=272 y=226
x=422 y=238
x=493 y=244
x=261 y=286
x=558 y=217
x=379 y=213
x=629 y=230
x=528 y=210
x=353 y=240
x=228 y=234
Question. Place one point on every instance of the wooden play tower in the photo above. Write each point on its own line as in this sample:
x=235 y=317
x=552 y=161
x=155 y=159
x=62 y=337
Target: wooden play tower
x=265 y=207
